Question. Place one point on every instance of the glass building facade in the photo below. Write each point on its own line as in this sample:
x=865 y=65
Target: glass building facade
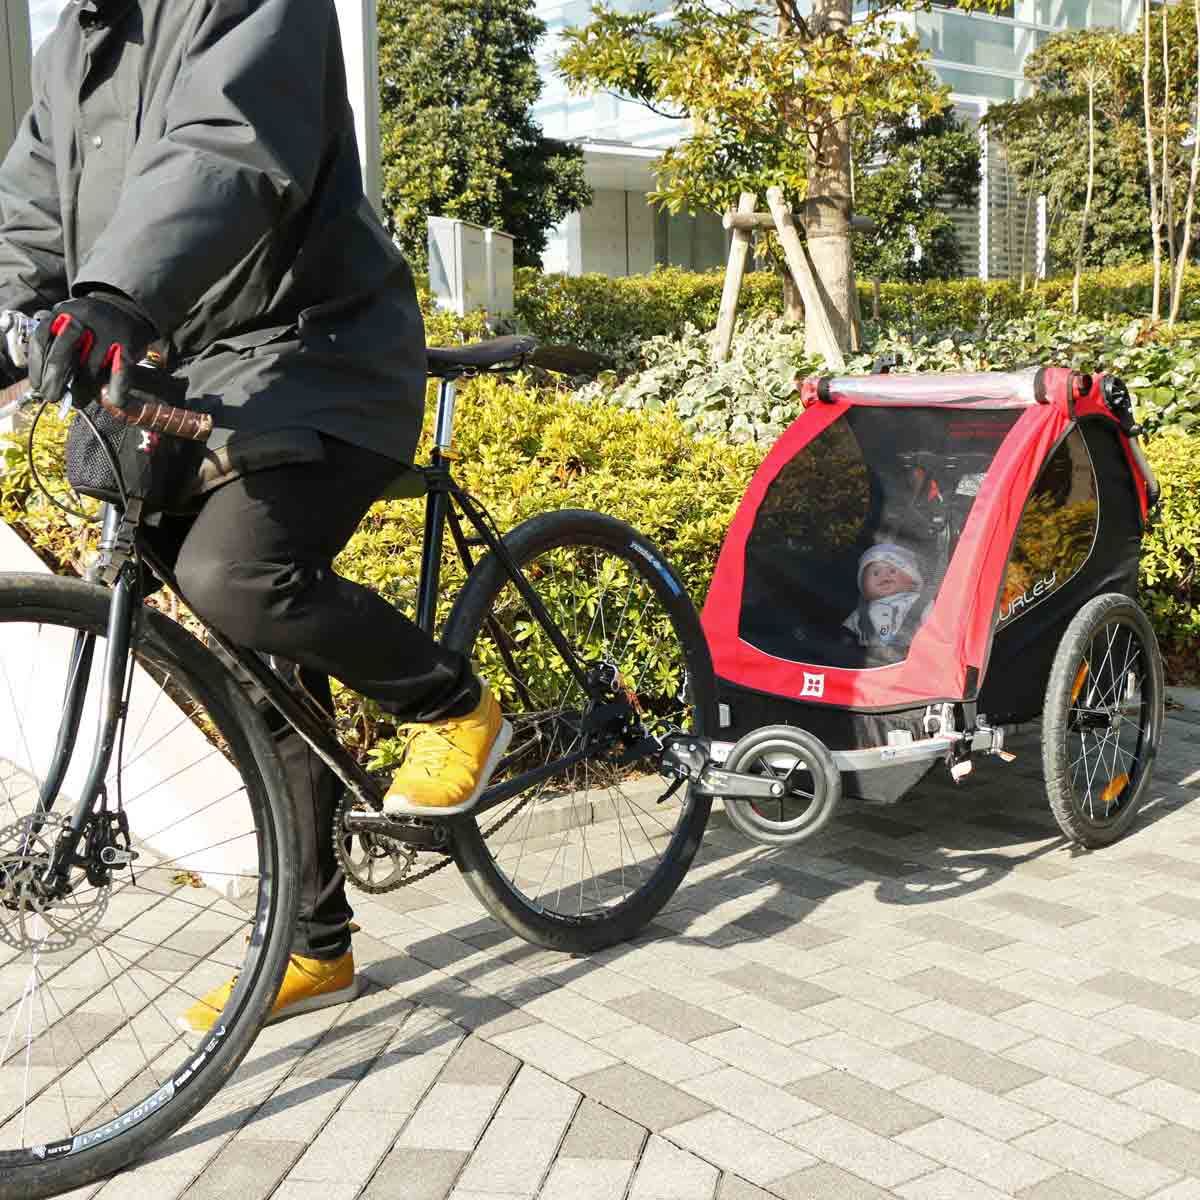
x=978 y=56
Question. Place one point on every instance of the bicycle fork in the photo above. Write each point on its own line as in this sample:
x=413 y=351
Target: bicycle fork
x=114 y=559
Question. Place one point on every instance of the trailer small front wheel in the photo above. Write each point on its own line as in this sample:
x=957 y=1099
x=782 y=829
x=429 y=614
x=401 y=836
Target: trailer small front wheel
x=810 y=786
x=1102 y=720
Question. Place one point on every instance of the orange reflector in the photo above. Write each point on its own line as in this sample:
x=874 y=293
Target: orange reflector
x=1115 y=788
x=1079 y=682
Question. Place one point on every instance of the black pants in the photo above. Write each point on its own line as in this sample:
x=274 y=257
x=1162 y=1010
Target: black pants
x=255 y=563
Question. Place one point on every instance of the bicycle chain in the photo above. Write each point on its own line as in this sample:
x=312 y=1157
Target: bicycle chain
x=406 y=879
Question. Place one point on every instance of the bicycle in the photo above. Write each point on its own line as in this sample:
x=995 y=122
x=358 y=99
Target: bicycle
x=112 y=921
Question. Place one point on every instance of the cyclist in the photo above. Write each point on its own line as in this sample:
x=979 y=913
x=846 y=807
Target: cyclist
x=188 y=179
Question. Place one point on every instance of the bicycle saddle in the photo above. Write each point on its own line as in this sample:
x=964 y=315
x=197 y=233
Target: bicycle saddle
x=450 y=361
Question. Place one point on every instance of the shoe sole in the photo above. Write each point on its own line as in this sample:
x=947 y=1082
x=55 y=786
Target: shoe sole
x=404 y=808
x=312 y=1004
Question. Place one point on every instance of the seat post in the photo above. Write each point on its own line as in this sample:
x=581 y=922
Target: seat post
x=443 y=430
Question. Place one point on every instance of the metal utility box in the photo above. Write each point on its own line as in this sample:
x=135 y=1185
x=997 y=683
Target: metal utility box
x=458 y=274
x=470 y=267
x=499 y=272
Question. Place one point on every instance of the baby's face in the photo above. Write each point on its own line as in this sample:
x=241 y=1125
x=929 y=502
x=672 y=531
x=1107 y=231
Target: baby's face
x=881 y=579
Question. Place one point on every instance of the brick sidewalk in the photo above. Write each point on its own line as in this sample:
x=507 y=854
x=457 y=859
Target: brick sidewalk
x=935 y=999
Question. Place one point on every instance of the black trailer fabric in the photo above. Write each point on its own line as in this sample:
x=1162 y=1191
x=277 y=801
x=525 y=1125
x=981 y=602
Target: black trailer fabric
x=1058 y=526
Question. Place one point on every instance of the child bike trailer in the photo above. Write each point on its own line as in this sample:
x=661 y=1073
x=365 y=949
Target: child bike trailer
x=920 y=564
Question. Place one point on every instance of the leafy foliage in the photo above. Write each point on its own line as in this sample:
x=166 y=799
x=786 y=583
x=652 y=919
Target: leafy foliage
x=611 y=315
x=457 y=81
x=911 y=167
x=765 y=85
x=1045 y=135
x=1170 y=568
x=750 y=398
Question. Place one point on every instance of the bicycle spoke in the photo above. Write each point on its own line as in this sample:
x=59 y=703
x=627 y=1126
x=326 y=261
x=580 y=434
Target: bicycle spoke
x=578 y=842
x=99 y=971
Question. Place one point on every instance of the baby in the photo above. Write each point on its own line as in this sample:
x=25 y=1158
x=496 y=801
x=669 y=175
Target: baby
x=889 y=582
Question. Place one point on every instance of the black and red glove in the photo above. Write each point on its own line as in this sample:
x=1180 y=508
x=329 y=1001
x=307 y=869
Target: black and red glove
x=78 y=345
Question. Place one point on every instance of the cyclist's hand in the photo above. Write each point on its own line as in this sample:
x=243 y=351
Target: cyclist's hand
x=13 y=347
x=78 y=345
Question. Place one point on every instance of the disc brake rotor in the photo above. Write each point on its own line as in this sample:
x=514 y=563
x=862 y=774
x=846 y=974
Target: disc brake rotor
x=31 y=919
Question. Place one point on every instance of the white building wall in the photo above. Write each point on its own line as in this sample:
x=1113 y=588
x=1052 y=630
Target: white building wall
x=14 y=68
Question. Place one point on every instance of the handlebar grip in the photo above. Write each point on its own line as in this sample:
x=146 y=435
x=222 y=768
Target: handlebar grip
x=140 y=396
x=162 y=418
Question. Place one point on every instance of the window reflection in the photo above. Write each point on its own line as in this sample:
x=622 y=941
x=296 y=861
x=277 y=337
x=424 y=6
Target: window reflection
x=1056 y=533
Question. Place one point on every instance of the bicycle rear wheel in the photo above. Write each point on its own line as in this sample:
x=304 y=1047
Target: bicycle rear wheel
x=95 y=1067
x=586 y=857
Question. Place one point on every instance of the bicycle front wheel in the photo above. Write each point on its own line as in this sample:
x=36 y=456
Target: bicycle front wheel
x=98 y=1059
x=584 y=857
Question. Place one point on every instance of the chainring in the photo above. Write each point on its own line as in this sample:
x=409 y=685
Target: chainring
x=371 y=863
x=356 y=852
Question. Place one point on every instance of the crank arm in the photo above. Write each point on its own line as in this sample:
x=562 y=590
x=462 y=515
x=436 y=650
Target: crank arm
x=426 y=834
x=716 y=782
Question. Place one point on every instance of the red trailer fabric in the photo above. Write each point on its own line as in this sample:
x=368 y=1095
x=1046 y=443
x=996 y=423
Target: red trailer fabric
x=947 y=656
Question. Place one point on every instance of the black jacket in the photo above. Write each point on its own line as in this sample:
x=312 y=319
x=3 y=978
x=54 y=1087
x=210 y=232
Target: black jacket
x=200 y=156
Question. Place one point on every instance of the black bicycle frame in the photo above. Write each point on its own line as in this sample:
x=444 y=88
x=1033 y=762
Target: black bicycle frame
x=445 y=503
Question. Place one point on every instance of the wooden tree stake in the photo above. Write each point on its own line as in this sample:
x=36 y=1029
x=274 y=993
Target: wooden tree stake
x=735 y=272
x=801 y=269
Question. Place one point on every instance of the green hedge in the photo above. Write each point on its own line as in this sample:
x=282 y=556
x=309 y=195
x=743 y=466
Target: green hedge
x=1170 y=572
x=605 y=314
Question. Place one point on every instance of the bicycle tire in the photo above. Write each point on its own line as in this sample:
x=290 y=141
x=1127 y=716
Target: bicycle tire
x=533 y=919
x=1086 y=684
x=163 y=646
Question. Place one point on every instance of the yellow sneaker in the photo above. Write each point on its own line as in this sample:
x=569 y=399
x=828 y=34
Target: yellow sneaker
x=447 y=764
x=308 y=984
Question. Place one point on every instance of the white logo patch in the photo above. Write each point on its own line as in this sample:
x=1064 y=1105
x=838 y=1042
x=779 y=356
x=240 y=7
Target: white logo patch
x=814 y=685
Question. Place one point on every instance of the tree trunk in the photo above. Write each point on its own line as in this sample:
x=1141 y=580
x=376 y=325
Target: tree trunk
x=1155 y=217
x=1190 y=205
x=856 y=317
x=1087 y=203
x=1168 y=197
x=793 y=302
x=827 y=207
x=1025 y=239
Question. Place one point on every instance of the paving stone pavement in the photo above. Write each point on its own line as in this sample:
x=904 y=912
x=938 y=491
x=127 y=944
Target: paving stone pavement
x=937 y=999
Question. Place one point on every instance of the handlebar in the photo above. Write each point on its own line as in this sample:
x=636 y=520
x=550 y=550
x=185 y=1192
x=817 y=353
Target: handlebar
x=139 y=395
x=143 y=395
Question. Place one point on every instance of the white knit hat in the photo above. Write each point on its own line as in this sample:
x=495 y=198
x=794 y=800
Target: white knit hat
x=900 y=557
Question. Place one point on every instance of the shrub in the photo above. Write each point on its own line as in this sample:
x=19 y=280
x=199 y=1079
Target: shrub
x=751 y=398
x=603 y=314
x=1170 y=569
x=522 y=450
